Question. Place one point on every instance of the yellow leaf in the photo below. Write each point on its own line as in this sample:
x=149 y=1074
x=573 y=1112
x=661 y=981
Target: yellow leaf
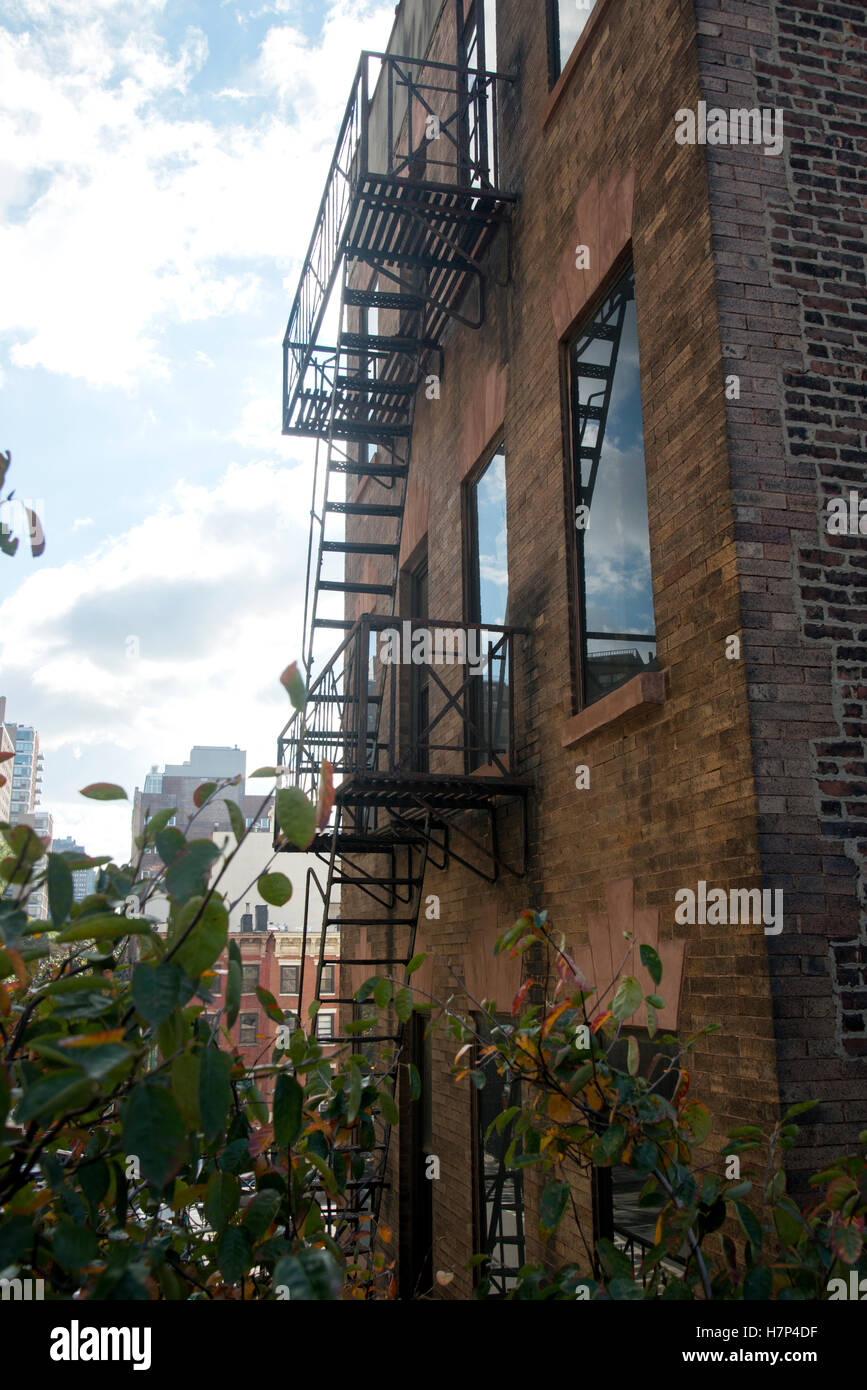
x=93 y=1039
x=551 y=1019
x=559 y=1108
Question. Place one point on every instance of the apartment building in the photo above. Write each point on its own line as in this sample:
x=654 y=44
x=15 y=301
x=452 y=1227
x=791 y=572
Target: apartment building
x=83 y=880
x=584 y=629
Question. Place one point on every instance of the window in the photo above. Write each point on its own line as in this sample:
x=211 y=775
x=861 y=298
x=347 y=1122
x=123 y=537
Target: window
x=567 y=20
x=500 y=1201
x=325 y=1027
x=327 y=984
x=248 y=1028
x=419 y=676
x=479 y=45
x=289 y=979
x=617 y=629
x=249 y=977
x=487 y=601
x=265 y=823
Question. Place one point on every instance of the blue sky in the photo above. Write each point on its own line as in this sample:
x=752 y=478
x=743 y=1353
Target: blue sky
x=161 y=162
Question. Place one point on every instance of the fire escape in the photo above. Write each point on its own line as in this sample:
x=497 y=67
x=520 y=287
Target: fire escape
x=411 y=205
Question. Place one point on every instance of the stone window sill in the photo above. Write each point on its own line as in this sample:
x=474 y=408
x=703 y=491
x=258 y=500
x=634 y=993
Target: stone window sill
x=643 y=690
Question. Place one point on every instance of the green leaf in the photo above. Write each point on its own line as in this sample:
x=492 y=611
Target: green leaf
x=266 y=772
x=16 y=1239
x=73 y=1246
x=555 y=1200
x=416 y=963
x=608 y=1148
x=628 y=998
x=104 y=791
x=275 y=889
x=104 y=926
x=234 y=1254
x=382 y=993
x=234 y=979
x=215 y=1090
x=294 y=686
x=631 y=1056
x=847 y=1242
x=800 y=1108
x=750 y=1226
x=651 y=962
x=261 y=1213
x=414 y=1082
x=185 y=1088
x=403 y=1005
x=236 y=820
x=154 y=1131
x=296 y=816
x=288 y=1110
x=187 y=874
x=310 y=1275
x=157 y=990
x=60 y=889
x=207 y=940
x=222 y=1199
x=757 y=1284
x=697 y=1119
x=388 y=1106
x=655 y=1001
x=156 y=824
x=169 y=844
x=53 y=1095
x=269 y=1004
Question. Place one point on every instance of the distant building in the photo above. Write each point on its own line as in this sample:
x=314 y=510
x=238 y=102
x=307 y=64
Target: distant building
x=83 y=880
x=7 y=745
x=43 y=825
x=174 y=786
x=24 y=784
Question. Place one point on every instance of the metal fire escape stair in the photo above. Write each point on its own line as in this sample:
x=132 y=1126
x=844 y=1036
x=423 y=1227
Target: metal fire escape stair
x=418 y=218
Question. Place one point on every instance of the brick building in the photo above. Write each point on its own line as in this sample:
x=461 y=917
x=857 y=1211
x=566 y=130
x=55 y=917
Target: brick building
x=599 y=375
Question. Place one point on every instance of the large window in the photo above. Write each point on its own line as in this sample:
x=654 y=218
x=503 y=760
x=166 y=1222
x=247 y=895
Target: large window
x=325 y=1027
x=247 y=1032
x=488 y=603
x=249 y=977
x=567 y=20
x=289 y=979
x=615 y=594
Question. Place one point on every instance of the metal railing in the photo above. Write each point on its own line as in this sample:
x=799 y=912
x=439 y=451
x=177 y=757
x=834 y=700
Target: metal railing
x=426 y=123
x=358 y=714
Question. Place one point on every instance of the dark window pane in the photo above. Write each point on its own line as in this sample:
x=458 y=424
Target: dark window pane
x=327 y=986
x=289 y=979
x=249 y=977
x=248 y=1028
x=619 y=631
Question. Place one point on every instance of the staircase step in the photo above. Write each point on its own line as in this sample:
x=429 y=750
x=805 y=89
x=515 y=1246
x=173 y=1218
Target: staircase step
x=382 y=344
x=338 y=624
x=338 y=586
x=360 y=547
x=368 y=432
x=383 y=299
x=364 y=509
x=369 y=922
x=369 y=470
x=373 y=386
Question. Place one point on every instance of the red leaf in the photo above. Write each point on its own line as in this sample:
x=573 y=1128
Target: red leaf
x=519 y=998
x=326 y=795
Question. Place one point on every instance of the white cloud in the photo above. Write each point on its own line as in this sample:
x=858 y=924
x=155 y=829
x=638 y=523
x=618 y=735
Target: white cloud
x=81 y=521
x=141 y=213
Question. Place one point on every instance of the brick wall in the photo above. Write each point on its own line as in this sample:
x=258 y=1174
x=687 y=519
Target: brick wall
x=751 y=770
x=789 y=244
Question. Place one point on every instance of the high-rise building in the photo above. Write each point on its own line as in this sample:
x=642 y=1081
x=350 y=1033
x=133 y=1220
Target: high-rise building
x=83 y=880
x=25 y=782
x=7 y=746
x=42 y=823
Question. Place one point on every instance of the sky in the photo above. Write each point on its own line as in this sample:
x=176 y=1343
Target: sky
x=161 y=163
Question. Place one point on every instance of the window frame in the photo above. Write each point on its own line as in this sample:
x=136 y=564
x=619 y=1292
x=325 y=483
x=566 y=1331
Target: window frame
x=247 y=966
x=320 y=1018
x=471 y=562
x=297 y=968
x=244 y=1021
x=575 y=536
x=329 y=965
x=557 y=61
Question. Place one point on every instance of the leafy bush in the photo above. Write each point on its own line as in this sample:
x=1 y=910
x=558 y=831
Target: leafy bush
x=583 y=1109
